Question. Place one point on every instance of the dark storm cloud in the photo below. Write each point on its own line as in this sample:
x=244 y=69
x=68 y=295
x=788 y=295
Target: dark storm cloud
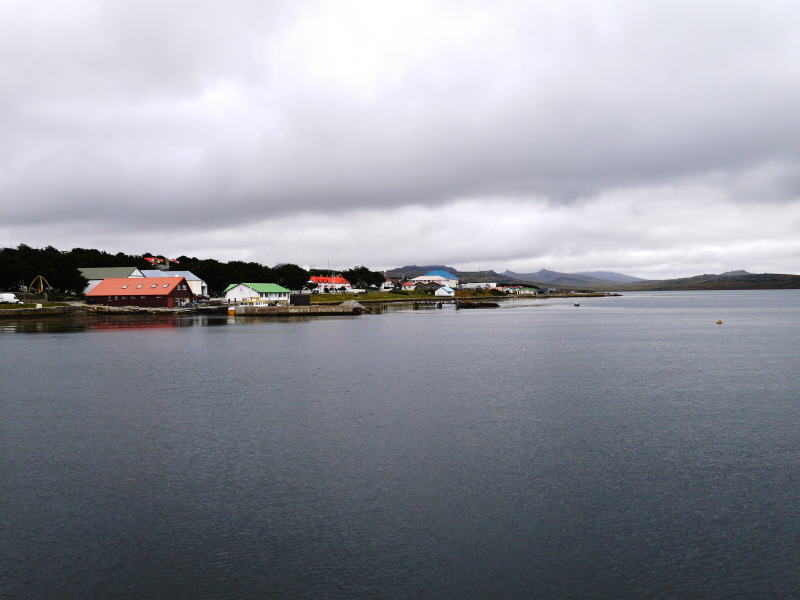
x=207 y=107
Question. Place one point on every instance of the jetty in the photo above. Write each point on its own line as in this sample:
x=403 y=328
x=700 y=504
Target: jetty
x=351 y=307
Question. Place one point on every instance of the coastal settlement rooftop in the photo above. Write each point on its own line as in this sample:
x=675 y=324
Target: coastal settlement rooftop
x=97 y=274
x=141 y=291
x=238 y=292
x=337 y=280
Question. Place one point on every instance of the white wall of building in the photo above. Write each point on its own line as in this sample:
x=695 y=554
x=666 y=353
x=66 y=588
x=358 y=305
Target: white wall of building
x=453 y=283
x=478 y=286
x=241 y=293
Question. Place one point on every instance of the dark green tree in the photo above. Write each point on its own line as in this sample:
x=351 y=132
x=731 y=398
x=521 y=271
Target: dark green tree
x=362 y=277
x=291 y=276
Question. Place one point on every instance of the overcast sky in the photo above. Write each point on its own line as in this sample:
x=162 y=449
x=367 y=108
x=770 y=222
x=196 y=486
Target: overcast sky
x=658 y=139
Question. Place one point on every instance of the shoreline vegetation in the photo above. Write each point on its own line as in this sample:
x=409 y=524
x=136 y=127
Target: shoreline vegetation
x=322 y=304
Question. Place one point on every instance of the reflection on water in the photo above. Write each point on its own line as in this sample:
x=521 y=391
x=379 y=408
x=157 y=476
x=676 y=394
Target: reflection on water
x=79 y=323
x=62 y=324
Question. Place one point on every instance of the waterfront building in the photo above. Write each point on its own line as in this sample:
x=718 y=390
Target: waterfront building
x=197 y=285
x=141 y=291
x=336 y=283
x=484 y=285
x=390 y=283
x=257 y=292
x=438 y=276
x=427 y=287
x=445 y=291
x=97 y=274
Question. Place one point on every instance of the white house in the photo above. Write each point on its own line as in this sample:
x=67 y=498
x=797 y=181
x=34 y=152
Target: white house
x=389 y=283
x=257 y=292
x=96 y=274
x=445 y=291
x=438 y=276
x=197 y=285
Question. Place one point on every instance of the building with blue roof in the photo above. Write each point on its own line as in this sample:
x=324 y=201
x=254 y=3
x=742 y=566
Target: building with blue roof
x=440 y=273
x=443 y=278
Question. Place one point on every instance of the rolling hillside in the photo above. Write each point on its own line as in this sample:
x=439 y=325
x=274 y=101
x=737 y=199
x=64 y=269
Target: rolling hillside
x=733 y=280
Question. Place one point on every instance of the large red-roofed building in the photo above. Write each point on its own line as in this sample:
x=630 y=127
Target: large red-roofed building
x=335 y=283
x=164 y=292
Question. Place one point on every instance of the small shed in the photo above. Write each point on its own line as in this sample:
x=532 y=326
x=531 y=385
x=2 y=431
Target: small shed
x=445 y=291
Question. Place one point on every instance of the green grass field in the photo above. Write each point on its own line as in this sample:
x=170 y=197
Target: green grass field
x=44 y=304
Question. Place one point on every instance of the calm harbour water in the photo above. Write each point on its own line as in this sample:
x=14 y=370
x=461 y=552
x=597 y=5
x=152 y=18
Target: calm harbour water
x=626 y=448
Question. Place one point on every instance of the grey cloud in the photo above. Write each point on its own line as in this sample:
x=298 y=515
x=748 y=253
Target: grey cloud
x=215 y=115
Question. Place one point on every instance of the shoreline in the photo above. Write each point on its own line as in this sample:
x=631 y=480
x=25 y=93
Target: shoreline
x=333 y=307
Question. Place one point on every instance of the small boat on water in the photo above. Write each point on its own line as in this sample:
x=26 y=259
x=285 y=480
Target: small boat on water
x=577 y=304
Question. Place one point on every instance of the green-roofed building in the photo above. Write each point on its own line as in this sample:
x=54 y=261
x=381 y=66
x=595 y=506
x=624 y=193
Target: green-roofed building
x=257 y=293
x=96 y=274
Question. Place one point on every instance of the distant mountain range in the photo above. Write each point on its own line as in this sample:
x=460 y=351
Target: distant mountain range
x=610 y=280
x=587 y=279
x=731 y=280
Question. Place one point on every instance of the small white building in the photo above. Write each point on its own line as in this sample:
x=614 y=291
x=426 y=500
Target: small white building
x=257 y=292
x=445 y=291
x=197 y=285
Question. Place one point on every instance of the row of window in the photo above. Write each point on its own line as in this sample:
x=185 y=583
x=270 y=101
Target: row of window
x=155 y=285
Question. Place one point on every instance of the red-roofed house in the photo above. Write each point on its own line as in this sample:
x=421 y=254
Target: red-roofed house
x=165 y=292
x=331 y=284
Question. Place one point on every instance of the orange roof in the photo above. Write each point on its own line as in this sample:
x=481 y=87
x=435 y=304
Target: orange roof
x=337 y=279
x=137 y=286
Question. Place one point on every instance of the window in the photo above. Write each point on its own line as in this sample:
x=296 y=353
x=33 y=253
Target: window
x=125 y=287
x=166 y=285
x=139 y=286
x=155 y=285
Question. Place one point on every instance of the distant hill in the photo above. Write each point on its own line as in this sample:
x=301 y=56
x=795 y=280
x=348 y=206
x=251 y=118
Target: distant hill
x=554 y=278
x=412 y=271
x=612 y=276
x=490 y=276
x=732 y=280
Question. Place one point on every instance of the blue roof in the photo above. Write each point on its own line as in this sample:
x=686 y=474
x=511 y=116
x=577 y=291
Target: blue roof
x=439 y=273
x=187 y=275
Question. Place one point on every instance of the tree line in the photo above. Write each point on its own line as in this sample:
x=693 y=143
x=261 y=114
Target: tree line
x=20 y=265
